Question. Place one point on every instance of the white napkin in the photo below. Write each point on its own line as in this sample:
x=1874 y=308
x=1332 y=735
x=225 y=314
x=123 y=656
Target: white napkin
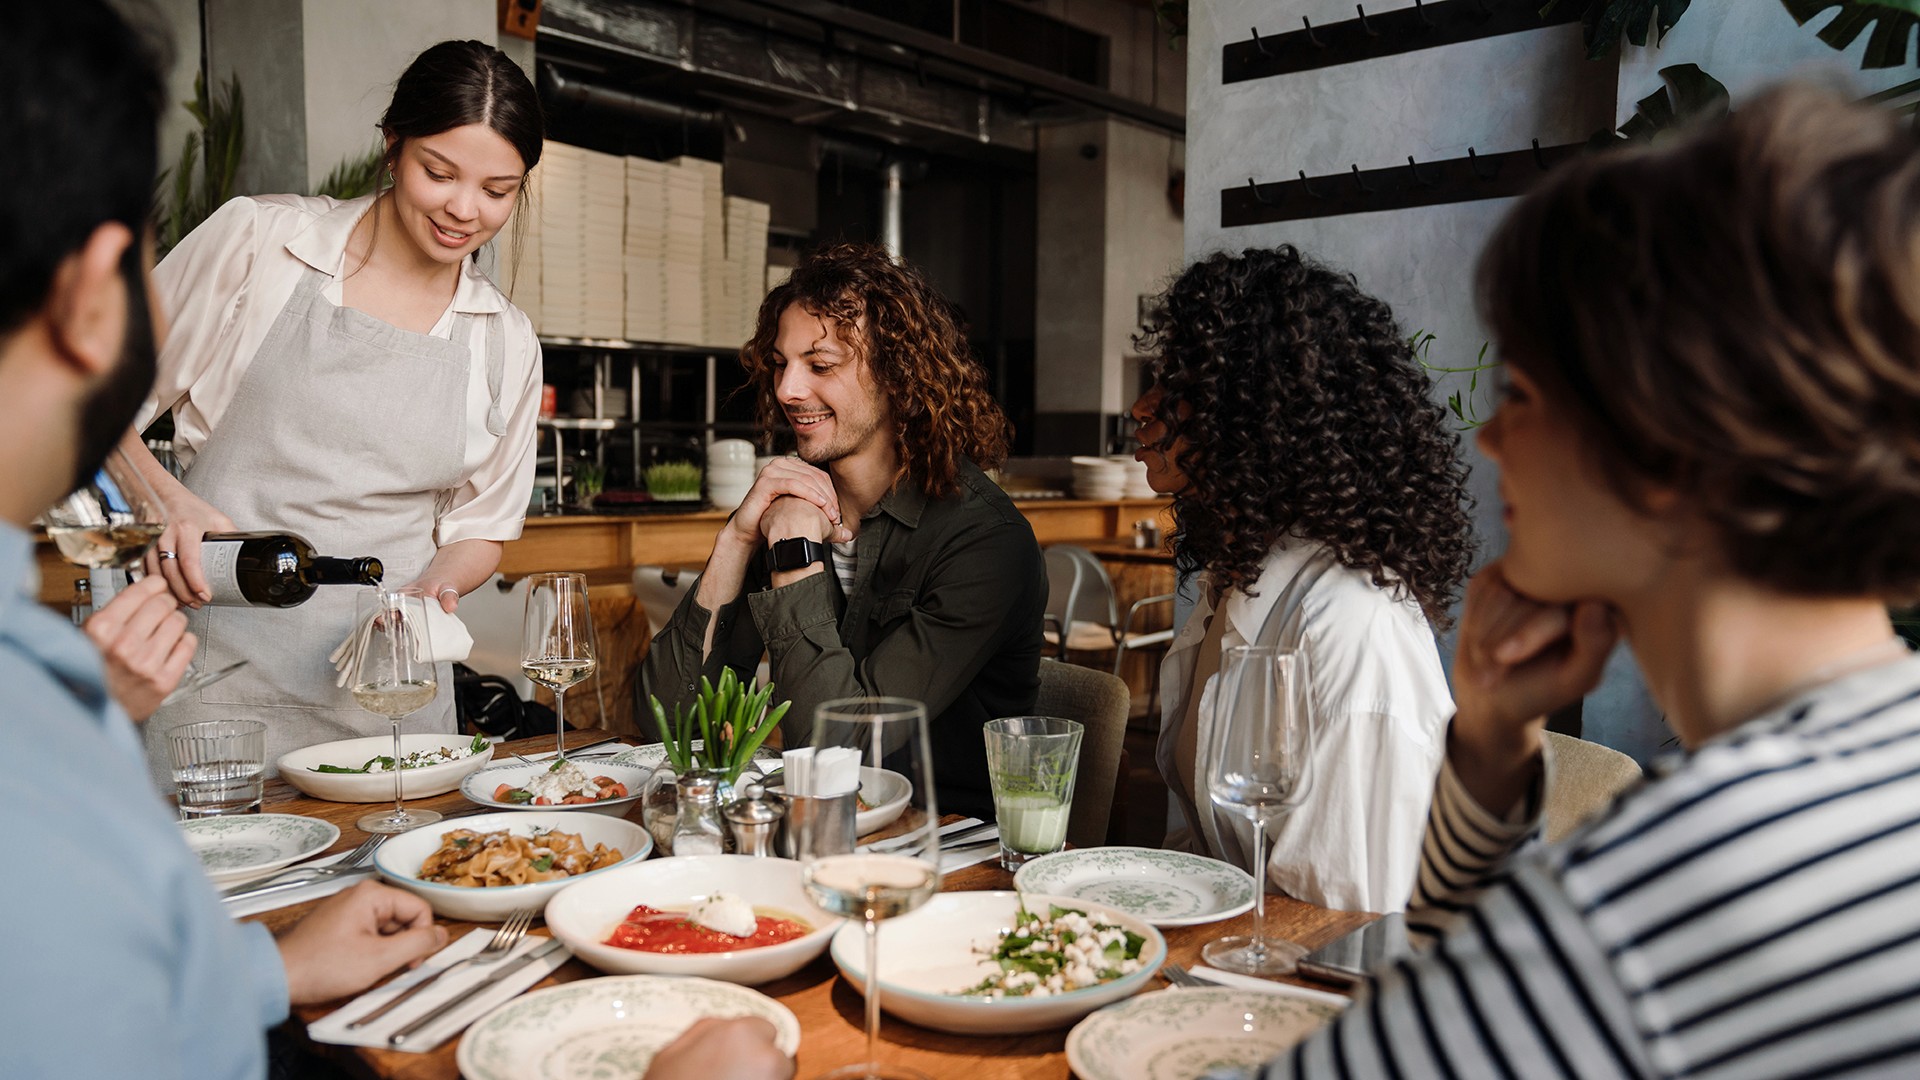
x=836 y=770
x=333 y=1027
x=797 y=767
x=446 y=634
x=1267 y=986
x=324 y=886
x=985 y=853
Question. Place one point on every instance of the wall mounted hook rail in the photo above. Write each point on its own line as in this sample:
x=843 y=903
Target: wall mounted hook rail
x=1395 y=187
x=1429 y=23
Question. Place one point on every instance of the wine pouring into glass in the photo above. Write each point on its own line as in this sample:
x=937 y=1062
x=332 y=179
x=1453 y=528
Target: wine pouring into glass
x=393 y=674
x=1257 y=768
x=887 y=733
x=557 y=647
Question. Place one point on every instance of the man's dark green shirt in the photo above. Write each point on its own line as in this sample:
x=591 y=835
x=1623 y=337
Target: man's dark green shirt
x=946 y=609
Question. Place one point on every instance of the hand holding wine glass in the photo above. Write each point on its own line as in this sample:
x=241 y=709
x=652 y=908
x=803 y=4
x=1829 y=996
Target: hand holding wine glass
x=392 y=675
x=1258 y=769
x=557 y=647
x=888 y=733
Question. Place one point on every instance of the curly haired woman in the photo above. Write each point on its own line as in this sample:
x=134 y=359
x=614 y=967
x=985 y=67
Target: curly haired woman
x=937 y=587
x=1319 y=494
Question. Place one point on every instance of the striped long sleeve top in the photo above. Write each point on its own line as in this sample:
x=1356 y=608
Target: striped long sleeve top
x=1751 y=912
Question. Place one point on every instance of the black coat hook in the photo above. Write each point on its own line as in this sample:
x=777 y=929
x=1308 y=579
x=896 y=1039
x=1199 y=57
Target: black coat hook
x=1257 y=43
x=1420 y=9
x=1366 y=24
x=1361 y=181
x=1539 y=159
x=1473 y=162
x=1257 y=196
x=1307 y=185
x=1414 y=168
x=1311 y=36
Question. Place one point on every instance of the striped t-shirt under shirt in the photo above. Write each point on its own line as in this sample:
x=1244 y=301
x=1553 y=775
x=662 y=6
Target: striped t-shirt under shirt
x=1753 y=912
x=844 y=566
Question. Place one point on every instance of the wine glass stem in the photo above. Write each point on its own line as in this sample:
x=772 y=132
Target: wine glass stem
x=1258 y=947
x=559 y=724
x=399 y=809
x=873 y=989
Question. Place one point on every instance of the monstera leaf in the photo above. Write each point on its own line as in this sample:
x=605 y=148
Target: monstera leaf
x=1606 y=20
x=1893 y=22
x=1689 y=93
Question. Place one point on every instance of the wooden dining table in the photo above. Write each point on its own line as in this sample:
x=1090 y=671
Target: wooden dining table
x=829 y=1010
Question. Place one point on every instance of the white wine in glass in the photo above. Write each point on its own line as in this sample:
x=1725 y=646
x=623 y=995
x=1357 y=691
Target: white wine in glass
x=392 y=675
x=557 y=648
x=1258 y=770
x=888 y=733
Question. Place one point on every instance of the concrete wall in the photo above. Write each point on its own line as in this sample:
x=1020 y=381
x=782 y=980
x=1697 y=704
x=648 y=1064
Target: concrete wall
x=260 y=41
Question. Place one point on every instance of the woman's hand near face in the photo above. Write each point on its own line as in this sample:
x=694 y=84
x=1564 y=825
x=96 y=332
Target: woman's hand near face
x=1517 y=660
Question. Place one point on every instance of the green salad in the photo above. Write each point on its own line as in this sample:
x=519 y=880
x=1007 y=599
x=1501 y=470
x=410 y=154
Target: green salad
x=1054 y=953
x=419 y=759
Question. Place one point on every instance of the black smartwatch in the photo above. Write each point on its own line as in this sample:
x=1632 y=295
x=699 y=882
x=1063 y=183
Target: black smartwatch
x=795 y=553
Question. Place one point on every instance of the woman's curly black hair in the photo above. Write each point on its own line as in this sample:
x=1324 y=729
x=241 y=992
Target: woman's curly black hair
x=1295 y=407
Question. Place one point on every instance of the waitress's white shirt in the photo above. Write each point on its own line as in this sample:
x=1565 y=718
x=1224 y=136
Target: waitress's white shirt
x=224 y=285
x=1380 y=710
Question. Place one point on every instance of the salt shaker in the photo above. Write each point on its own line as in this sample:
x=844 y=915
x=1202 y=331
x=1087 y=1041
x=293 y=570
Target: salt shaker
x=697 y=830
x=753 y=819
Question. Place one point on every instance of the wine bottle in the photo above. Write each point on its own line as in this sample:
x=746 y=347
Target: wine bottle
x=275 y=569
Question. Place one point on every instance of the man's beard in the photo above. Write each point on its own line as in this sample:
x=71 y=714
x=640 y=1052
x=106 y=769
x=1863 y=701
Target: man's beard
x=107 y=412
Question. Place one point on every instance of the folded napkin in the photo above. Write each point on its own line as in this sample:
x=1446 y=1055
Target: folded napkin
x=1267 y=986
x=333 y=1027
x=950 y=862
x=446 y=634
x=245 y=906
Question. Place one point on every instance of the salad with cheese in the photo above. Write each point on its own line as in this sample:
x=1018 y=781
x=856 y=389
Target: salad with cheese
x=1056 y=952
x=562 y=784
x=419 y=759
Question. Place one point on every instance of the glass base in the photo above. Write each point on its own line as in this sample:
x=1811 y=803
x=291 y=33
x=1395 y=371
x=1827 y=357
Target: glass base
x=396 y=821
x=874 y=1071
x=1011 y=860
x=1253 y=956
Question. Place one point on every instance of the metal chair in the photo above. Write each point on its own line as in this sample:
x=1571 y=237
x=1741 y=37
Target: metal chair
x=1100 y=702
x=1083 y=612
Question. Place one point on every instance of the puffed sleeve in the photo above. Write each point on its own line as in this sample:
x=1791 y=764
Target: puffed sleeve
x=492 y=504
x=201 y=285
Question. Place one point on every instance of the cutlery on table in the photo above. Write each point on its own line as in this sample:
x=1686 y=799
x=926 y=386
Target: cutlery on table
x=1180 y=976
x=355 y=861
x=572 y=750
x=971 y=836
x=504 y=939
x=401 y=1037
x=893 y=842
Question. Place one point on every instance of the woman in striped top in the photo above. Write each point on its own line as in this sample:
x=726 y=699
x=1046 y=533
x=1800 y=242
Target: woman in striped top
x=1710 y=447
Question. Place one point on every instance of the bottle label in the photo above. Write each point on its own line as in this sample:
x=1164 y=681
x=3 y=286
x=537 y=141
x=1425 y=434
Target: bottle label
x=220 y=560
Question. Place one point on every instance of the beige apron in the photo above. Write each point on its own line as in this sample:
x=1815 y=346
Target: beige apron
x=350 y=432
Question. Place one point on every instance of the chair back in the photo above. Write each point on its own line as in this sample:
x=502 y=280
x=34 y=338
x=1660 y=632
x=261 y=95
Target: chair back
x=1100 y=702
x=1586 y=778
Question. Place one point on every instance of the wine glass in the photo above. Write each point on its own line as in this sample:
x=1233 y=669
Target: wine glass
x=108 y=523
x=1257 y=768
x=888 y=733
x=392 y=675
x=556 y=641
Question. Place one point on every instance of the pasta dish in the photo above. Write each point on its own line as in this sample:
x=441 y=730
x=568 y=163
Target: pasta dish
x=482 y=860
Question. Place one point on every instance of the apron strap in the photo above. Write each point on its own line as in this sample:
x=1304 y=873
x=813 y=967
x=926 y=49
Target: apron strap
x=496 y=374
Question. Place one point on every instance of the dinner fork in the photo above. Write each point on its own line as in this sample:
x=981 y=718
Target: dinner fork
x=353 y=862
x=1180 y=976
x=504 y=939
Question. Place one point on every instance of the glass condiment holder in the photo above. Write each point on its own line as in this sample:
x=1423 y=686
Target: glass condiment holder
x=699 y=830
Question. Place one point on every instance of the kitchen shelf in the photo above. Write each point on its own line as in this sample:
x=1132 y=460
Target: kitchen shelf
x=656 y=348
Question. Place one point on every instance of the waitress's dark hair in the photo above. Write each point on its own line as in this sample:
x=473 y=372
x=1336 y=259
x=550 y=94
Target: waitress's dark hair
x=456 y=83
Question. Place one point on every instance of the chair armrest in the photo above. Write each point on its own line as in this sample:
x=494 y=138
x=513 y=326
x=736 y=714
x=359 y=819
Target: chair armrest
x=1134 y=609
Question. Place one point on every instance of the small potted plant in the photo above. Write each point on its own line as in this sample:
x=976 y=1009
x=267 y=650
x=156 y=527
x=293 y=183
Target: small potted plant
x=720 y=733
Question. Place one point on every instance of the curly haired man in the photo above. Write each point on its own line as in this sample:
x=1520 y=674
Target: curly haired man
x=881 y=560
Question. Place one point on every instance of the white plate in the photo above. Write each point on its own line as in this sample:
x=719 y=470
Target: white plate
x=297 y=768
x=652 y=754
x=399 y=859
x=1180 y=1034
x=248 y=845
x=584 y=915
x=1166 y=888
x=605 y=1027
x=887 y=792
x=927 y=953
x=479 y=787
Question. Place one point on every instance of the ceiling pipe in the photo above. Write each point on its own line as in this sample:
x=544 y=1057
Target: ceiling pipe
x=557 y=87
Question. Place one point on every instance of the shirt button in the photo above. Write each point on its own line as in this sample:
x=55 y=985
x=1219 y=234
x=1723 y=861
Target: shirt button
x=689 y=688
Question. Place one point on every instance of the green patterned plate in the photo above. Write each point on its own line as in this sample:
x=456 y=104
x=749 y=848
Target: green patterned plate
x=607 y=1028
x=1166 y=888
x=1180 y=1034
x=248 y=845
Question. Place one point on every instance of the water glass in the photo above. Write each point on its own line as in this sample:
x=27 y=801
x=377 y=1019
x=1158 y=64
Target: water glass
x=219 y=767
x=1031 y=763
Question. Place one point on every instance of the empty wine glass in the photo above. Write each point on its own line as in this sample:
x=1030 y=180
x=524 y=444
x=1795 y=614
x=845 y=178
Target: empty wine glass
x=393 y=674
x=557 y=648
x=1257 y=769
x=109 y=523
x=888 y=733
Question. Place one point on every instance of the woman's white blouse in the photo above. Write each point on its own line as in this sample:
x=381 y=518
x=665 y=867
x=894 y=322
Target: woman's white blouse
x=222 y=288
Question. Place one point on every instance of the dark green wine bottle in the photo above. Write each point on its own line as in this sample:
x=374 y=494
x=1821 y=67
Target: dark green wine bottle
x=275 y=569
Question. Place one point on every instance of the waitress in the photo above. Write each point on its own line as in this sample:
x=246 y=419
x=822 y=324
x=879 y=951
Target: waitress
x=345 y=372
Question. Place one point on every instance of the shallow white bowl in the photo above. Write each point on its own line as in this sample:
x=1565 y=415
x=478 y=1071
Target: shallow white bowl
x=583 y=915
x=887 y=792
x=297 y=768
x=479 y=787
x=938 y=948
x=240 y=846
x=398 y=860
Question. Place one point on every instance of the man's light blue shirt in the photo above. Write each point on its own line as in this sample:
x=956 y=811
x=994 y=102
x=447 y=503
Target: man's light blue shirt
x=117 y=957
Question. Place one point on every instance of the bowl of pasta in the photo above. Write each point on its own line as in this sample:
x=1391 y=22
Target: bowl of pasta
x=486 y=867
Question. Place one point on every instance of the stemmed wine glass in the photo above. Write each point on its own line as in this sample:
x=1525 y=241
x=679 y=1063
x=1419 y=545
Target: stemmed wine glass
x=393 y=674
x=887 y=733
x=557 y=648
x=1257 y=769
x=108 y=523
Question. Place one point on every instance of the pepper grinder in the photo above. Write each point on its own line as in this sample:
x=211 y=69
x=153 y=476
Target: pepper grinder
x=697 y=830
x=754 y=819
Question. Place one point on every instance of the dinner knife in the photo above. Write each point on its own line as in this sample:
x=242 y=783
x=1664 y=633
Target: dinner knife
x=281 y=882
x=401 y=1037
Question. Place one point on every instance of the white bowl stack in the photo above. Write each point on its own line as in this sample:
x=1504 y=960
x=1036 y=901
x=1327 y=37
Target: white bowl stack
x=1098 y=478
x=1136 y=474
x=729 y=472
